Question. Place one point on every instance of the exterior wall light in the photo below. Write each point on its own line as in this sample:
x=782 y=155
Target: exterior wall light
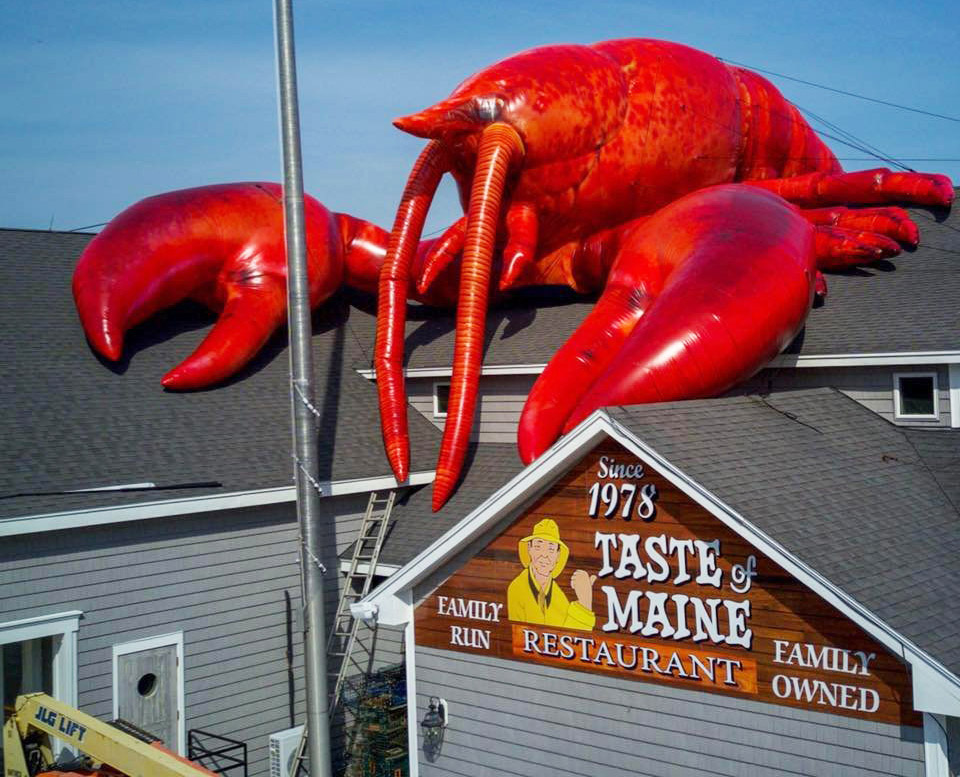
x=366 y=612
x=433 y=726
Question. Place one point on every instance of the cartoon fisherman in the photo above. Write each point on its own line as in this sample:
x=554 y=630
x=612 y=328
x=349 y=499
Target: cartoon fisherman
x=534 y=597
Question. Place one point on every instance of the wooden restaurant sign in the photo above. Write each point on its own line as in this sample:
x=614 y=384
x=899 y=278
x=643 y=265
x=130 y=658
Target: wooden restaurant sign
x=614 y=570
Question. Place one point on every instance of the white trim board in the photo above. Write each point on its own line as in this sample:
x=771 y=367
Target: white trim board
x=783 y=360
x=72 y=519
x=446 y=372
x=410 y=667
x=936 y=689
x=148 y=643
x=382 y=570
x=865 y=359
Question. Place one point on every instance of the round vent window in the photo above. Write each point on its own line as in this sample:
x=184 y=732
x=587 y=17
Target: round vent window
x=147 y=685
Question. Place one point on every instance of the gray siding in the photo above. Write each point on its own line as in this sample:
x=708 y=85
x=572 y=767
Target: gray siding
x=508 y=718
x=872 y=387
x=501 y=397
x=228 y=580
x=500 y=400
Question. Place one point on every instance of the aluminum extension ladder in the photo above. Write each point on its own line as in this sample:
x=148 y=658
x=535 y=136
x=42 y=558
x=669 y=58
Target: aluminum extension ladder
x=343 y=637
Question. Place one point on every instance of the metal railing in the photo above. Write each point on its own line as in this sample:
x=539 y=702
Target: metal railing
x=217 y=753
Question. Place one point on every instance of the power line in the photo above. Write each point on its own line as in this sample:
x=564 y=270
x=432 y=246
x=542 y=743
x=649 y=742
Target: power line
x=842 y=91
x=864 y=146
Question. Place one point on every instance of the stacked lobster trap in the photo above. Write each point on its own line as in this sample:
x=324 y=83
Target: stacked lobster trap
x=376 y=709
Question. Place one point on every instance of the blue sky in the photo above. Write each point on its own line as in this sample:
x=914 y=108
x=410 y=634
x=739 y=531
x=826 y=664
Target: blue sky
x=107 y=102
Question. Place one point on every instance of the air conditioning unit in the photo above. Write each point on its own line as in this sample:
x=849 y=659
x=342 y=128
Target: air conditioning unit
x=283 y=749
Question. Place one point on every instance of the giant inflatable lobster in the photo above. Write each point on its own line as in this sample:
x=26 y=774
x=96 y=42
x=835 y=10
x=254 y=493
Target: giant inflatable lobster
x=688 y=192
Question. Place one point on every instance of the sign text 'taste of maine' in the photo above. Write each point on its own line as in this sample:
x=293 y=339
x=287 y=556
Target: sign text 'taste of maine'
x=615 y=570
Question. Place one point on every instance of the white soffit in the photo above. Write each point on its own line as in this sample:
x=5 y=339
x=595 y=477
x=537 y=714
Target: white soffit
x=781 y=361
x=73 y=519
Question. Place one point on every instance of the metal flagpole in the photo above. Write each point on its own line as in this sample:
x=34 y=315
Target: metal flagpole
x=301 y=390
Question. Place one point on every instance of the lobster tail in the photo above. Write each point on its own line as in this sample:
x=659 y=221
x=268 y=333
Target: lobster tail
x=392 y=303
x=500 y=147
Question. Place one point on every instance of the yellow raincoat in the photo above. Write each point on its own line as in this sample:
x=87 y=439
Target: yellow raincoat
x=560 y=611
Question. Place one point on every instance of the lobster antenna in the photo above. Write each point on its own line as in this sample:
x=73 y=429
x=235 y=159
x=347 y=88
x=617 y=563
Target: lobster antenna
x=392 y=290
x=500 y=147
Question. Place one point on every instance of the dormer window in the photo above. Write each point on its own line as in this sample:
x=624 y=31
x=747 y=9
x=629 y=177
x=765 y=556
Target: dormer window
x=915 y=396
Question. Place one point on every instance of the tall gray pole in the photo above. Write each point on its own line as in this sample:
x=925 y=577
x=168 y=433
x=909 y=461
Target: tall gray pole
x=302 y=398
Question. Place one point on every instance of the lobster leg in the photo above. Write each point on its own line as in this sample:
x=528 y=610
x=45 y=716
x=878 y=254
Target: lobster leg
x=442 y=254
x=837 y=248
x=865 y=187
x=891 y=221
x=518 y=254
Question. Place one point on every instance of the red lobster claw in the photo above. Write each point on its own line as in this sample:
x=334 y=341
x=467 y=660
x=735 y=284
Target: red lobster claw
x=221 y=245
x=700 y=297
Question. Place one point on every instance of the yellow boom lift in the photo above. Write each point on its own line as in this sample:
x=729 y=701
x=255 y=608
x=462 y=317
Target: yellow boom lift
x=110 y=751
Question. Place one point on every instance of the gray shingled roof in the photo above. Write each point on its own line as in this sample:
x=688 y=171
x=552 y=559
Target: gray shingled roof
x=105 y=424
x=415 y=526
x=839 y=487
x=907 y=304
x=940 y=451
x=70 y=420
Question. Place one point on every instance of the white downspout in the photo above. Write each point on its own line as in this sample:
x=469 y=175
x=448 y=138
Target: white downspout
x=954 y=381
x=409 y=654
x=936 y=760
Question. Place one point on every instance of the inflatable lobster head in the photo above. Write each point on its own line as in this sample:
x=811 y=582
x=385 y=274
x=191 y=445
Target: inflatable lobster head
x=561 y=114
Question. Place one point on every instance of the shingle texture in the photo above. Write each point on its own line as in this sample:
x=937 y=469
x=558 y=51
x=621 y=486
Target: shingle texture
x=940 y=451
x=907 y=304
x=839 y=487
x=415 y=526
x=70 y=420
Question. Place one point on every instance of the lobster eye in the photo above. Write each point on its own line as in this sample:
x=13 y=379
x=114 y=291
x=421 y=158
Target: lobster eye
x=487 y=109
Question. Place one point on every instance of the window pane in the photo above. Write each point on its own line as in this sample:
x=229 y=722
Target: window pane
x=916 y=396
x=442 y=391
x=26 y=667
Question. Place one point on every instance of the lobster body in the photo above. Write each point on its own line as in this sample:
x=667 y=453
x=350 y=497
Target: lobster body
x=619 y=129
x=633 y=167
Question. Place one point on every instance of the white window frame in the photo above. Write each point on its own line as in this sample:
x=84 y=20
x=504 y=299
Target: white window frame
x=953 y=376
x=897 y=411
x=149 y=643
x=436 y=398
x=62 y=624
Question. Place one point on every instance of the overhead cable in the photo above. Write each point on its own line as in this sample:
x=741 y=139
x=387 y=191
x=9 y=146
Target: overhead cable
x=842 y=91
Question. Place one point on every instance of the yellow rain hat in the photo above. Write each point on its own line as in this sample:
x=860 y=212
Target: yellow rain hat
x=548 y=530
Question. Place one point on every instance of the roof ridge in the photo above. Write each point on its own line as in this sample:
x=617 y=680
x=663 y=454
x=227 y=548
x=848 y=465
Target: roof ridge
x=47 y=231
